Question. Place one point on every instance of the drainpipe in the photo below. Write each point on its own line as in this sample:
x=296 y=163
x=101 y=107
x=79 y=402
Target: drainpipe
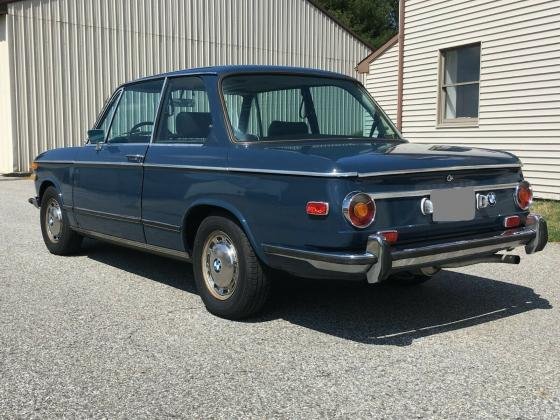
x=401 y=65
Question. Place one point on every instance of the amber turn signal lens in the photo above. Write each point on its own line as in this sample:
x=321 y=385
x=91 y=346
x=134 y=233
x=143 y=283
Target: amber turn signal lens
x=359 y=209
x=34 y=166
x=317 y=208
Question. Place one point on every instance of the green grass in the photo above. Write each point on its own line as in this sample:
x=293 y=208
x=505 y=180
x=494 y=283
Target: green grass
x=550 y=210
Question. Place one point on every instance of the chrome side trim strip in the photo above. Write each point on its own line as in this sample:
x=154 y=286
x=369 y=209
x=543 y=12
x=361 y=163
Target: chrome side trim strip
x=101 y=163
x=281 y=171
x=87 y=163
x=56 y=162
x=166 y=252
x=190 y=167
x=296 y=173
x=449 y=168
x=160 y=225
x=105 y=215
x=421 y=193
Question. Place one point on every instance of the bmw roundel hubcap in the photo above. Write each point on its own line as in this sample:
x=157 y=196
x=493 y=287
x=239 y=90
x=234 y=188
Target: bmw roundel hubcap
x=220 y=265
x=53 y=220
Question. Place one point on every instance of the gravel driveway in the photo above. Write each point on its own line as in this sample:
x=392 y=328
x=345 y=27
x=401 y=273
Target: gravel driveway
x=117 y=333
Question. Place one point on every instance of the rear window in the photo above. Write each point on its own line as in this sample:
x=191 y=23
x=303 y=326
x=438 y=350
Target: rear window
x=267 y=107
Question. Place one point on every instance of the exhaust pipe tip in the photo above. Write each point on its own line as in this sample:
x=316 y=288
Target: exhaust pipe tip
x=511 y=259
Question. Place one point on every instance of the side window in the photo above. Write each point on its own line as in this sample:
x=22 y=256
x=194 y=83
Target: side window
x=185 y=116
x=135 y=114
x=105 y=121
x=243 y=113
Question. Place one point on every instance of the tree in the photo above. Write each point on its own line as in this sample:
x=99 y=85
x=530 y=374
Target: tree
x=374 y=20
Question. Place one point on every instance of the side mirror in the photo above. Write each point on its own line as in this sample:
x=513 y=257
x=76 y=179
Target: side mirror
x=95 y=136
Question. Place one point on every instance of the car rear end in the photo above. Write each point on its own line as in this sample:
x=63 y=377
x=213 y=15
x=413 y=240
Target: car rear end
x=422 y=221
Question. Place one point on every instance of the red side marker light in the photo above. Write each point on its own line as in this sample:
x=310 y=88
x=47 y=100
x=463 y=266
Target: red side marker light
x=512 y=221
x=317 y=208
x=390 y=236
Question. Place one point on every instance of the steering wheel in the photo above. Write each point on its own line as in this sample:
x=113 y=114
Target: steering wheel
x=136 y=129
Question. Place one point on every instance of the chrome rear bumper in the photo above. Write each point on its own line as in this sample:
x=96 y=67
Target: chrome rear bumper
x=380 y=259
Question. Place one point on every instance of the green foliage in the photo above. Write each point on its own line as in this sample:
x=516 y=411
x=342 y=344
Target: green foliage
x=374 y=20
x=550 y=210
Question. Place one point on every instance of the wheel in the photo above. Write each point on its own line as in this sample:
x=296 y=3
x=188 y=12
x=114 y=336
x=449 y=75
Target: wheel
x=413 y=278
x=58 y=237
x=229 y=277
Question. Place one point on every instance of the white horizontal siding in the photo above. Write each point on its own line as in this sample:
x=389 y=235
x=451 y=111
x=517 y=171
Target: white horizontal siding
x=68 y=56
x=381 y=81
x=519 y=82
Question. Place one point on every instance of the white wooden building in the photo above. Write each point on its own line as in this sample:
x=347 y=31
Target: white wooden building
x=60 y=59
x=481 y=73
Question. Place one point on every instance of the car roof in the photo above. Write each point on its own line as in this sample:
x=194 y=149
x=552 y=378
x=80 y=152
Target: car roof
x=241 y=69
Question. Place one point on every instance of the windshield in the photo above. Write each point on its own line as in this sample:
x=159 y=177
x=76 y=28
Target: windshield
x=267 y=107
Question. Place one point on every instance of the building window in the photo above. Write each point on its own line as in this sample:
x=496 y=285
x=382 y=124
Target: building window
x=459 y=85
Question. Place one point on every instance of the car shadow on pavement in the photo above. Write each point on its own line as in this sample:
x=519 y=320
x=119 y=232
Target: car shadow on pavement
x=383 y=314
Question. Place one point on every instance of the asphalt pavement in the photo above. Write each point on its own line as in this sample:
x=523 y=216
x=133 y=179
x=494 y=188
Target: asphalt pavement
x=114 y=333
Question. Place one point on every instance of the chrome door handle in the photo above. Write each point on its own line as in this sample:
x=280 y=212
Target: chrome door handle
x=135 y=158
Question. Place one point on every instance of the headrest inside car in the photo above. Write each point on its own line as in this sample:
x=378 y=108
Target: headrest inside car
x=193 y=124
x=286 y=128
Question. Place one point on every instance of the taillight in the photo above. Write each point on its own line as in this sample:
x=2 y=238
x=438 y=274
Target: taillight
x=390 y=236
x=317 y=208
x=359 y=209
x=512 y=221
x=523 y=195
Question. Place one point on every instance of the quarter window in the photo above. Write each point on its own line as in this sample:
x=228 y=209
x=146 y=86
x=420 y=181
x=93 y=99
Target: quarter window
x=185 y=116
x=105 y=121
x=459 y=85
x=136 y=111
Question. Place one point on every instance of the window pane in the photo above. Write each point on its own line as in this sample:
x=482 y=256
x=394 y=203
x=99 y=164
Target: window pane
x=339 y=113
x=461 y=101
x=106 y=121
x=462 y=64
x=278 y=107
x=185 y=116
x=135 y=114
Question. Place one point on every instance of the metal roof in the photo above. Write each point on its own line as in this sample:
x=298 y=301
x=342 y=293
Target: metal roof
x=240 y=69
x=315 y=3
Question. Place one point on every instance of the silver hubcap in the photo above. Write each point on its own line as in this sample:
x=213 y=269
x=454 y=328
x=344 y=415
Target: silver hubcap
x=53 y=220
x=220 y=265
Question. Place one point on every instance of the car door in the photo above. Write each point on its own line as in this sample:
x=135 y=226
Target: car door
x=108 y=173
x=185 y=163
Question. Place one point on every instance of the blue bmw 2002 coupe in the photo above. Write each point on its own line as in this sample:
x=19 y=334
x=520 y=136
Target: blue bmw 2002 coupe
x=246 y=170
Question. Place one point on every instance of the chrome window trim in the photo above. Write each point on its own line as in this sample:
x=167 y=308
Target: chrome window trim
x=155 y=127
x=421 y=193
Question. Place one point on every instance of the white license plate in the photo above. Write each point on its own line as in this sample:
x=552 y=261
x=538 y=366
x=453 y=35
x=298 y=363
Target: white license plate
x=453 y=205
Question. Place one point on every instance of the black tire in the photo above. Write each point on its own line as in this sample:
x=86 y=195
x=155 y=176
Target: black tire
x=66 y=241
x=408 y=278
x=251 y=288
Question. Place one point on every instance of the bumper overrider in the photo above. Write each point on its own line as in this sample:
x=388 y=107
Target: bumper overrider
x=381 y=259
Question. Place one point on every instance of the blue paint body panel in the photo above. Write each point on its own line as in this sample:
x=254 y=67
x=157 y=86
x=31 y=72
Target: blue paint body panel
x=267 y=185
